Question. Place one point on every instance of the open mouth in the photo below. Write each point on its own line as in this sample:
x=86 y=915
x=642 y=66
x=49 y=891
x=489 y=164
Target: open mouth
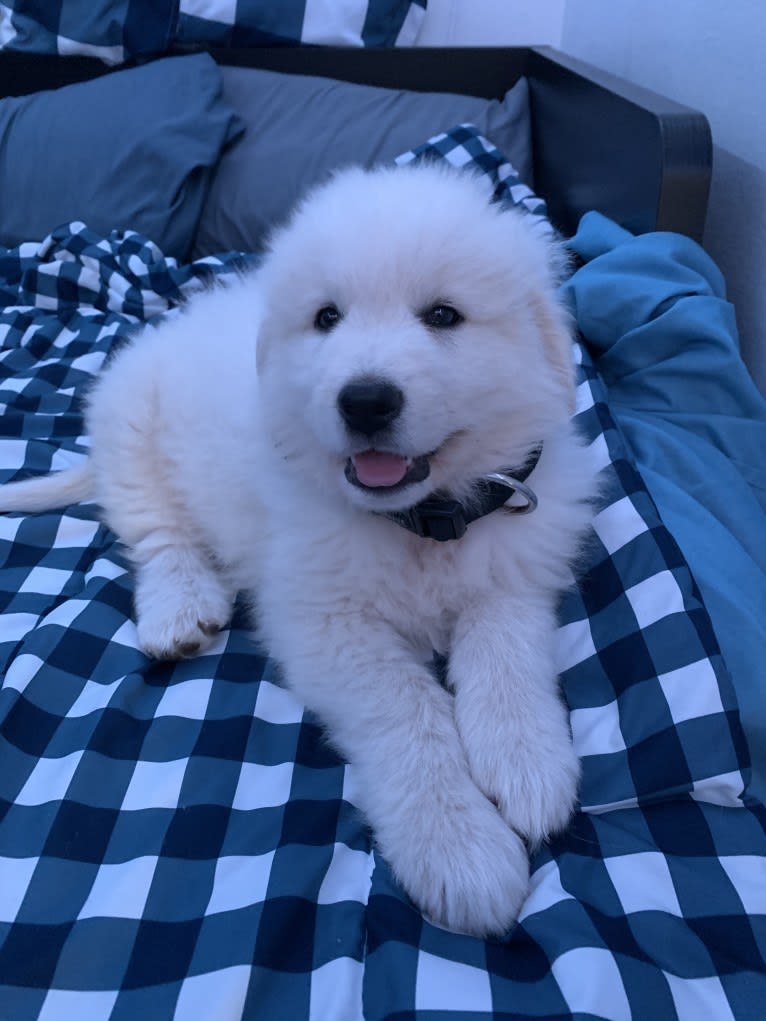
x=386 y=472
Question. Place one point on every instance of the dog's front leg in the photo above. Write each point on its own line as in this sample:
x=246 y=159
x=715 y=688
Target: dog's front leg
x=446 y=843
x=512 y=721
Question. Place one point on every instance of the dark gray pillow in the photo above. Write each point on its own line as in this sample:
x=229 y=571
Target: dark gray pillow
x=300 y=128
x=133 y=149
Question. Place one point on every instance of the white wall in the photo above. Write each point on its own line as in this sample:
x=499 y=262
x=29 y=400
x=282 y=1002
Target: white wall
x=707 y=54
x=711 y=56
x=492 y=23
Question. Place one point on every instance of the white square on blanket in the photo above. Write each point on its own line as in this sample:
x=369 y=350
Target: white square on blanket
x=574 y=644
x=46 y=581
x=348 y=876
x=16 y=626
x=240 y=881
x=23 y=669
x=216 y=994
x=224 y=11
x=591 y=984
x=277 y=705
x=85 y=1005
x=49 y=780
x=261 y=786
x=596 y=731
x=66 y=47
x=698 y=998
x=726 y=789
x=93 y=698
x=618 y=524
x=187 y=699
x=599 y=453
x=13 y=454
x=336 y=991
x=75 y=533
x=155 y=785
x=545 y=890
x=747 y=873
x=691 y=691
x=583 y=397
x=120 y=889
x=643 y=882
x=15 y=875
x=66 y=613
x=450 y=985
x=336 y=22
x=655 y=598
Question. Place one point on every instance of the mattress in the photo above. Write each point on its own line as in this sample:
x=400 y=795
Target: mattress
x=180 y=841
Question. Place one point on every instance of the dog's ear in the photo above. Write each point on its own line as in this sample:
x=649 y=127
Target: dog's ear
x=265 y=341
x=556 y=335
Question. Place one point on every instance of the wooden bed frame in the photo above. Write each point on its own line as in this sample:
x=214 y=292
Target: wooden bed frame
x=598 y=142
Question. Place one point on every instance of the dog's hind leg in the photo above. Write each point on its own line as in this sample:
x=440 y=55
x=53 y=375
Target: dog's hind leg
x=181 y=596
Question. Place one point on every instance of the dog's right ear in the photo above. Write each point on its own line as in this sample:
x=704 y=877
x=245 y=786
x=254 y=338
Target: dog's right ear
x=265 y=341
x=555 y=327
x=554 y=322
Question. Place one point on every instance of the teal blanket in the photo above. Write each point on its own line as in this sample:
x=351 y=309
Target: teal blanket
x=654 y=313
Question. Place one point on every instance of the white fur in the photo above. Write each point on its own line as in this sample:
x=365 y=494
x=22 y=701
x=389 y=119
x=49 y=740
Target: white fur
x=219 y=478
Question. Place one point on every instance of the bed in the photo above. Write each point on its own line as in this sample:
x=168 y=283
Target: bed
x=178 y=841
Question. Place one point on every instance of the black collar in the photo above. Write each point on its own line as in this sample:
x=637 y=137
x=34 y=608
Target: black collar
x=443 y=519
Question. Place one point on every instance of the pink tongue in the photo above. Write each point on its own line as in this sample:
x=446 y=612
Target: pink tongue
x=378 y=468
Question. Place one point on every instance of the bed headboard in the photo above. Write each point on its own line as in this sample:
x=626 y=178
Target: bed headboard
x=598 y=142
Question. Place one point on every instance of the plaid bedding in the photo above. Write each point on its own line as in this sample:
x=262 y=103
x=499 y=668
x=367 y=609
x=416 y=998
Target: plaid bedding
x=178 y=842
x=116 y=30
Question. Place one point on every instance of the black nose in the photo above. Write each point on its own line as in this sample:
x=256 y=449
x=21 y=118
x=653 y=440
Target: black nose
x=368 y=405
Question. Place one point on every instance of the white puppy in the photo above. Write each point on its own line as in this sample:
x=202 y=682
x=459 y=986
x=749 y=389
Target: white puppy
x=408 y=342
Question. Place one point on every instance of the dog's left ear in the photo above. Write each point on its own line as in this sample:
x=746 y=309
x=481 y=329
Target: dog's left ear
x=556 y=334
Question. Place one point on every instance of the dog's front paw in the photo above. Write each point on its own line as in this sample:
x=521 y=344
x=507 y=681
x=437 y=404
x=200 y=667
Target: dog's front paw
x=533 y=779
x=176 y=623
x=537 y=796
x=463 y=867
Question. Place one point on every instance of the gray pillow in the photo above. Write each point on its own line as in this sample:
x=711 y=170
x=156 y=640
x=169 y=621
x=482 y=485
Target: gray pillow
x=300 y=128
x=132 y=149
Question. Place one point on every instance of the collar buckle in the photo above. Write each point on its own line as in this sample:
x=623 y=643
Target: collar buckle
x=442 y=520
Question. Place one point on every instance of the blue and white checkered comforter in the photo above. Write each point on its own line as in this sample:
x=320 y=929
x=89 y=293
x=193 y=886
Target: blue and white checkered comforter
x=178 y=842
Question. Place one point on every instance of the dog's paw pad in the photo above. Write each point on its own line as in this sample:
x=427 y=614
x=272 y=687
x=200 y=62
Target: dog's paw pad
x=189 y=649
x=178 y=623
x=178 y=638
x=210 y=627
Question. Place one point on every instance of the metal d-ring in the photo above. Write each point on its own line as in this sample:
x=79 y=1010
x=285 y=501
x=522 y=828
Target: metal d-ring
x=515 y=487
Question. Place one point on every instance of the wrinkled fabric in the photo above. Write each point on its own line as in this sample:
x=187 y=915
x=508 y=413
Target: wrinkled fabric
x=653 y=311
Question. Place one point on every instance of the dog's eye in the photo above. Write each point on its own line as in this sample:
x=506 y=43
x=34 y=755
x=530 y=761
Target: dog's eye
x=442 y=317
x=327 y=318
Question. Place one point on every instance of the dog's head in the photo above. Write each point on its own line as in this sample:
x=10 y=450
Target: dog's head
x=412 y=339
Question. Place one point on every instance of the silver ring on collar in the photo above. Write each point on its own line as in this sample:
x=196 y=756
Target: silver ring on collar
x=515 y=487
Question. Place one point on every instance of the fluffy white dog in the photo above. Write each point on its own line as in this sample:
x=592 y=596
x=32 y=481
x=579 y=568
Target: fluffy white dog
x=408 y=343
